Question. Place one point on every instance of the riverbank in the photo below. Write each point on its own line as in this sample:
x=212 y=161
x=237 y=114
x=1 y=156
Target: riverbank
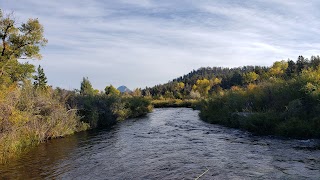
x=29 y=116
x=288 y=108
x=166 y=103
x=169 y=143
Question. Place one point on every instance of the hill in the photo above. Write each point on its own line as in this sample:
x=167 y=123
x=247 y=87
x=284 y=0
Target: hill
x=229 y=76
x=123 y=89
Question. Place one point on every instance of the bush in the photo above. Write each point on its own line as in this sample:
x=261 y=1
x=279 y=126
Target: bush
x=103 y=110
x=29 y=116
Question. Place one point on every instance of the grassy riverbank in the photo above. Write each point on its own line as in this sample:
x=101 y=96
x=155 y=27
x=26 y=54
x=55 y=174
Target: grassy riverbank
x=29 y=116
x=285 y=107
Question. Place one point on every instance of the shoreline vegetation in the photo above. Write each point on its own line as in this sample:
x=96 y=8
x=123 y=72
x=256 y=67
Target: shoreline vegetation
x=283 y=99
x=175 y=103
x=30 y=116
x=285 y=103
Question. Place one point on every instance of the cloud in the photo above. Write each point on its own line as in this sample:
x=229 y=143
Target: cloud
x=141 y=43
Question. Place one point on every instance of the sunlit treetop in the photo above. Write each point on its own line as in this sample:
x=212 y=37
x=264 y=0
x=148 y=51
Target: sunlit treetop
x=18 y=42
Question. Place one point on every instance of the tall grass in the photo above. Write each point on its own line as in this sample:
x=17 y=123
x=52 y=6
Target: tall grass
x=29 y=116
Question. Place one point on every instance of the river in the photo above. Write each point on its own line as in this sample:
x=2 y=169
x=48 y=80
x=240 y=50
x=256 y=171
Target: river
x=170 y=143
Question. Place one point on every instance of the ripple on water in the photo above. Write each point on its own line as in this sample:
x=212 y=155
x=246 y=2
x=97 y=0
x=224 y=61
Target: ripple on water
x=168 y=144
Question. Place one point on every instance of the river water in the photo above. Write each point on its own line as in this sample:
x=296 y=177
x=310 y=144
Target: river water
x=168 y=144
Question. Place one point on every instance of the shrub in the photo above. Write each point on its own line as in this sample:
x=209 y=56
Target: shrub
x=29 y=116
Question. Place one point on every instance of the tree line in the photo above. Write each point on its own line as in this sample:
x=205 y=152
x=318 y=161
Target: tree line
x=204 y=81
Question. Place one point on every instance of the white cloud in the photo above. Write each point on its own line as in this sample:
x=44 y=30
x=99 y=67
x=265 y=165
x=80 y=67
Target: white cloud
x=141 y=43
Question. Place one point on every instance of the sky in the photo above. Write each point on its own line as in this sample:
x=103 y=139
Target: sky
x=141 y=43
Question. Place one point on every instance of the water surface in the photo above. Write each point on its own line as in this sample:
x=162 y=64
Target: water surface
x=167 y=144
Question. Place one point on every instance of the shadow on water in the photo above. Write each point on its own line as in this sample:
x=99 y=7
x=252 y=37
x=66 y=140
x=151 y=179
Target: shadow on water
x=167 y=144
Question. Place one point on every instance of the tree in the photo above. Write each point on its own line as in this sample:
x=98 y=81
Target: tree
x=215 y=81
x=22 y=42
x=291 y=68
x=278 y=68
x=96 y=91
x=315 y=61
x=202 y=86
x=236 y=79
x=40 y=79
x=168 y=95
x=146 y=93
x=137 y=92
x=110 y=90
x=86 y=87
x=179 y=86
x=250 y=77
x=195 y=95
x=301 y=63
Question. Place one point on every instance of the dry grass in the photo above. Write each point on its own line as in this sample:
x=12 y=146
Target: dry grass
x=29 y=117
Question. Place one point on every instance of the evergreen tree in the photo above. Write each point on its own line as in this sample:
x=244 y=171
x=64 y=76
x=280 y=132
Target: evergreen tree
x=315 y=61
x=292 y=68
x=301 y=63
x=40 y=79
x=86 y=87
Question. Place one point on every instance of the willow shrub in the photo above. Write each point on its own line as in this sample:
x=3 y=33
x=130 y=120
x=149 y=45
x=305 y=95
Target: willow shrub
x=103 y=110
x=29 y=116
x=275 y=107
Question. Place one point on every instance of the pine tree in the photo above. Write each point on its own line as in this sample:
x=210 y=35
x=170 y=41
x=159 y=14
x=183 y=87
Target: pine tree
x=40 y=79
x=86 y=87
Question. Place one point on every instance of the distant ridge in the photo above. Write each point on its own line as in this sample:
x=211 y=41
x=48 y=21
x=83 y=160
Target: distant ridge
x=123 y=89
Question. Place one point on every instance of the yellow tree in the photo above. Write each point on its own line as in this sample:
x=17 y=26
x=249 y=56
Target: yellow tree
x=202 y=86
x=250 y=77
x=278 y=68
x=180 y=86
x=215 y=81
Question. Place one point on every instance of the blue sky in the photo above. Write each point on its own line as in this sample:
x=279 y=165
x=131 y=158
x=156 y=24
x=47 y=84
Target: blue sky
x=141 y=43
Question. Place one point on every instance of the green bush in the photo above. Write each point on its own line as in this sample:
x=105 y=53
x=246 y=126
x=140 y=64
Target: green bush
x=103 y=110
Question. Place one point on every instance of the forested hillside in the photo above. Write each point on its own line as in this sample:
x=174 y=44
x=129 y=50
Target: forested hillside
x=185 y=86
